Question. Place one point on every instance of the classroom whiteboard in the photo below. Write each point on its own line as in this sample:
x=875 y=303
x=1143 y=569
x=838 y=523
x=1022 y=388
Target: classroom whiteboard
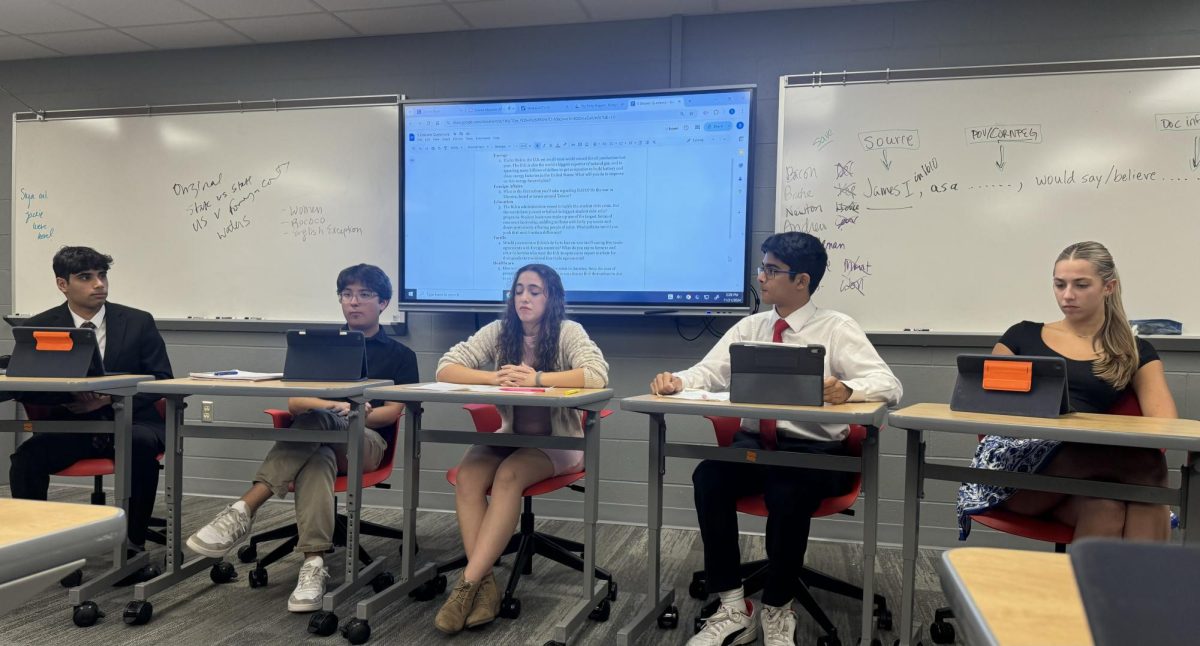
x=944 y=203
x=214 y=215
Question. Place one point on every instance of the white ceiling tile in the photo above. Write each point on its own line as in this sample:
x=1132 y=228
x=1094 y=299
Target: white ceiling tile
x=738 y=6
x=92 y=41
x=285 y=28
x=12 y=48
x=127 y=13
x=638 y=9
x=183 y=36
x=222 y=9
x=350 y=5
x=519 y=13
x=35 y=16
x=404 y=20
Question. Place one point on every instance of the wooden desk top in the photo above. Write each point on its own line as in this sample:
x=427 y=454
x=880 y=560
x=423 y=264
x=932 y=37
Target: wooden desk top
x=30 y=519
x=268 y=388
x=552 y=398
x=1093 y=428
x=1022 y=597
x=866 y=413
x=70 y=384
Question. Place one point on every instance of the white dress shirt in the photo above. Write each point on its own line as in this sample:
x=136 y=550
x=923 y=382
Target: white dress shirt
x=849 y=357
x=98 y=321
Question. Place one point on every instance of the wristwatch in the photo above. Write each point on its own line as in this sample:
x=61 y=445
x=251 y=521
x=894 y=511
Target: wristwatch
x=537 y=378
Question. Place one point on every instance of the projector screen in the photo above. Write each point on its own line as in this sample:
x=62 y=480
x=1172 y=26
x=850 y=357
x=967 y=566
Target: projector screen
x=640 y=201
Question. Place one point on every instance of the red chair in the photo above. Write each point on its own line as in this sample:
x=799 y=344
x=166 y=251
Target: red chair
x=527 y=541
x=754 y=573
x=1031 y=527
x=291 y=533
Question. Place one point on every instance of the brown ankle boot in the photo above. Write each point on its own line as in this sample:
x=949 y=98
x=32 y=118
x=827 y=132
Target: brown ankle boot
x=487 y=603
x=453 y=615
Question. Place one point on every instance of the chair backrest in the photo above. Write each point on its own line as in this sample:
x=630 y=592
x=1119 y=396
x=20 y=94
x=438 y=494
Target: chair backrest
x=1127 y=404
x=725 y=427
x=486 y=417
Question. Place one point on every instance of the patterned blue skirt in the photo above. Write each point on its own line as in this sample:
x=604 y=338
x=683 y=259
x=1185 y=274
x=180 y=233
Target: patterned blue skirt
x=999 y=453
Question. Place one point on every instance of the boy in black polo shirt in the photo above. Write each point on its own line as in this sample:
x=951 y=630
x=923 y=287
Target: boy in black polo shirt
x=364 y=292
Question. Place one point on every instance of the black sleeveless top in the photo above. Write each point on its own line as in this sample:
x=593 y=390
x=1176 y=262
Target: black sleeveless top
x=1088 y=393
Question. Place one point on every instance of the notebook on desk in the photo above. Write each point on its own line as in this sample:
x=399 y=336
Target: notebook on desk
x=325 y=355
x=1138 y=593
x=777 y=373
x=1011 y=385
x=55 y=352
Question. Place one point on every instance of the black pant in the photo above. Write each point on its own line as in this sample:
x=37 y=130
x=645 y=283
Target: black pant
x=47 y=453
x=791 y=495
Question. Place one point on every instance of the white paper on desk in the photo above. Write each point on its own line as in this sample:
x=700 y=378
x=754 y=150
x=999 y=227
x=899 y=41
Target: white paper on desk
x=447 y=387
x=238 y=375
x=701 y=395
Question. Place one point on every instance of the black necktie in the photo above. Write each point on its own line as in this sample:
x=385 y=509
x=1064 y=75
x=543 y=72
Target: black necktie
x=87 y=325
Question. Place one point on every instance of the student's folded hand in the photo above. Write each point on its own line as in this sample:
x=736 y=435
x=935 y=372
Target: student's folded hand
x=836 y=392
x=513 y=375
x=81 y=406
x=665 y=383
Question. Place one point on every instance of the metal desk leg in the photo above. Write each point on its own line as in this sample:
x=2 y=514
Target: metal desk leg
x=659 y=603
x=410 y=456
x=870 y=478
x=593 y=593
x=1190 y=507
x=140 y=610
x=122 y=565
x=913 y=475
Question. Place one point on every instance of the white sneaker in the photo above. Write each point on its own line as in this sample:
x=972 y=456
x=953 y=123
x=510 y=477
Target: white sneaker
x=726 y=627
x=223 y=533
x=778 y=625
x=310 y=587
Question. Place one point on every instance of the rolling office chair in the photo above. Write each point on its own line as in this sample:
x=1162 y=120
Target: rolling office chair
x=527 y=541
x=290 y=534
x=754 y=573
x=1031 y=527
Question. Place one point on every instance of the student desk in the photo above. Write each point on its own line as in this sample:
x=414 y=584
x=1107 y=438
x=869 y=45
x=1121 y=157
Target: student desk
x=588 y=399
x=40 y=542
x=140 y=610
x=120 y=387
x=1087 y=428
x=1014 y=597
x=660 y=601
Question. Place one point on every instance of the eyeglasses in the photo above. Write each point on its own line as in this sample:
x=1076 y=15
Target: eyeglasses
x=349 y=296
x=772 y=272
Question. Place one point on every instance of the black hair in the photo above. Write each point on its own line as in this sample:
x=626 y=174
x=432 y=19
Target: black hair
x=370 y=276
x=75 y=260
x=803 y=253
x=512 y=332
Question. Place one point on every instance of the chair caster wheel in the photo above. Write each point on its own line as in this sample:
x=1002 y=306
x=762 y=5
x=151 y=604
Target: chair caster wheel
x=382 y=581
x=612 y=590
x=669 y=619
x=883 y=619
x=553 y=643
x=323 y=623
x=697 y=624
x=941 y=632
x=430 y=589
x=698 y=589
x=510 y=608
x=72 y=580
x=247 y=554
x=829 y=640
x=138 y=612
x=222 y=572
x=258 y=578
x=601 y=611
x=876 y=642
x=356 y=631
x=86 y=614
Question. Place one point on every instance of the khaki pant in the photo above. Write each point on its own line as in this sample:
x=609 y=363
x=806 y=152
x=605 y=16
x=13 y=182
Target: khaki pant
x=311 y=468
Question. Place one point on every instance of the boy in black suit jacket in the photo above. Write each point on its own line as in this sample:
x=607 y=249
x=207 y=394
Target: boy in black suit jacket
x=129 y=342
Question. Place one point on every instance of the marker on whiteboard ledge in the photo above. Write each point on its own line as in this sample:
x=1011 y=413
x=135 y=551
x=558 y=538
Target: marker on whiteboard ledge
x=916 y=329
x=251 y=318
x=224 y=318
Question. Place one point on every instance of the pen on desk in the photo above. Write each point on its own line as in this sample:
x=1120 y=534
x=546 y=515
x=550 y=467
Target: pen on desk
x=222 y=373
x=571 y=391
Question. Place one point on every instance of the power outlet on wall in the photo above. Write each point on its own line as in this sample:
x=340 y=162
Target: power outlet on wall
x=206 y=411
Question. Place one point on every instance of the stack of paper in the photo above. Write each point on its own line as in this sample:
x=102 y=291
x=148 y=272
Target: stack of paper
x=236 y=375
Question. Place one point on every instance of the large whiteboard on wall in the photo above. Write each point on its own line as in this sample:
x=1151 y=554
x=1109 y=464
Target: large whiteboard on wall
x=227 y=214
x=945 y=202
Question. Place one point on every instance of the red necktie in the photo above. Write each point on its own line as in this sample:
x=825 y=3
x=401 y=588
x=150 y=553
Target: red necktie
x=766 y=427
